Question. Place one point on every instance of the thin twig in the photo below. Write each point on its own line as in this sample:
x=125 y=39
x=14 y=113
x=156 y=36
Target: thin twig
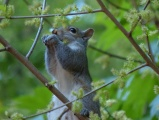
x=95 y=90
x=137 y=68
x=47 y=21
x=6 y=2
x=50 y=15
x=31 y=116
x=149 y=49
x=148 y=2
x=35 y=72
x=116 y=6
x=38 y=33
x=3 y=49
x=134 y=3
x=66 y=110
x=37 y=114
x=112 y=55
x=26 y=2
x=110 y=116
x=129 y=36
x=134 y=26
x=33 y=69
x=106 y=84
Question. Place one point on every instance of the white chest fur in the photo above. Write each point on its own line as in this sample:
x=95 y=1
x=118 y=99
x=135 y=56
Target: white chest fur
x=66 y=84
x=75 y=46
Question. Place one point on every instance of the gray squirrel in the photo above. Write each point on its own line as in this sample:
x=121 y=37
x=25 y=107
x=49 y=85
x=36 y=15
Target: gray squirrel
x=66 y=61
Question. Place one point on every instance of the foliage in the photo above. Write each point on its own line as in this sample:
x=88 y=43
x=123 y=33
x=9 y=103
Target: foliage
x=133 y=95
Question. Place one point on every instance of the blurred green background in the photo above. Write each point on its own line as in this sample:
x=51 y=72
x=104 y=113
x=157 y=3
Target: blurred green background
x=21 y=92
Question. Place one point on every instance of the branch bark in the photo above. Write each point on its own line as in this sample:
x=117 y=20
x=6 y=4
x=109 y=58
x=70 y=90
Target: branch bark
x=36 y=73
x=3 y=49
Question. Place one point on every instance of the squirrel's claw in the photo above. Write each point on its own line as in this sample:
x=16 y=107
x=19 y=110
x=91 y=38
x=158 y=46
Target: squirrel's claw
x=85 y=112
x=49 y=40
x=44 y=39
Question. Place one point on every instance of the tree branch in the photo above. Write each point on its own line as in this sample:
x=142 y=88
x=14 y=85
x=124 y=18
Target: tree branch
x=102 y=86
x=149 y=49
x=38 y=33
x=50 y=15
x=116 y=6
x=130 y=38
x=36 y=73
x=106 y=84
x=148 y=2
x=26 y=2
x=33 y=69
x=112 y=55
x=134 y=3
x=6 y=2
x=66 y=110
x=3 y=49
x=137 y=68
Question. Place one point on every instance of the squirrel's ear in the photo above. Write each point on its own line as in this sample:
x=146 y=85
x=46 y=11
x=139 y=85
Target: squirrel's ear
x=88 y=34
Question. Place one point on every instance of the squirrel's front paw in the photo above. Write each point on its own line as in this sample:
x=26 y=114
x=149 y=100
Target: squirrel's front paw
x=50 y=39
x=85 y=112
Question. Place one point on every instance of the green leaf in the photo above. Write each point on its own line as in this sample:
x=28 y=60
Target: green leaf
x=38 y=99
x=138 y=94
x=3 y=8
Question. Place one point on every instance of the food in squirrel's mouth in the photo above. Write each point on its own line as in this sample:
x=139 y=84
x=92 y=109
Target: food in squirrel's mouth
x=54 y=31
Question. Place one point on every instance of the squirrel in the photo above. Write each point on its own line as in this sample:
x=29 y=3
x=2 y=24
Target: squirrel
x=66 y=61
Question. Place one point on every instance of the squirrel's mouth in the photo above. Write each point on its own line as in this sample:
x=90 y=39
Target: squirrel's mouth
x=54 y=31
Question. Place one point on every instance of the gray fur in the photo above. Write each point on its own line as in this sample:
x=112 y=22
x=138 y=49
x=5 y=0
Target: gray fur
x=68 y=64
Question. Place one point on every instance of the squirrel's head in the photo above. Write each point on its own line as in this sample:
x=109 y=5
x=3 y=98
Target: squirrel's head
x=73 y=33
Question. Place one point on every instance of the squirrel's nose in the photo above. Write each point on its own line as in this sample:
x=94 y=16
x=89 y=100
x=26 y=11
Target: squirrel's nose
x=54 y=31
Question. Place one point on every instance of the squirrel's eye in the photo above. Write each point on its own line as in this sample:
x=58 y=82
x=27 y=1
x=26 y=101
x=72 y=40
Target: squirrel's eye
x=73 y=30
